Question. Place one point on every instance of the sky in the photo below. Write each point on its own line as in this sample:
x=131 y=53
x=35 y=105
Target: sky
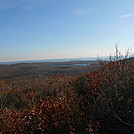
x=56 y=29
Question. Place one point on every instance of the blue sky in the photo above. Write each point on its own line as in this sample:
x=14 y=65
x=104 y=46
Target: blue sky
x=54 y=29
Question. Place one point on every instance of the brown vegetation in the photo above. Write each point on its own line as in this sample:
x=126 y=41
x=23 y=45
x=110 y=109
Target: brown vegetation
x=97 y=102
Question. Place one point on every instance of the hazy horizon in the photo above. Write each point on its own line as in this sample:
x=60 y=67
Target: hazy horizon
x=53 y=60
x=60 y=29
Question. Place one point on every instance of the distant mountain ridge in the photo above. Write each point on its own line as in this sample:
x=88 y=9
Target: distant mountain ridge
x=51 y=60
x=58 y=60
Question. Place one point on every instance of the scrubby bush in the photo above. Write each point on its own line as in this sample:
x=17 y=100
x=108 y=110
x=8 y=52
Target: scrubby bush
x=108 y=94
x=100 y=102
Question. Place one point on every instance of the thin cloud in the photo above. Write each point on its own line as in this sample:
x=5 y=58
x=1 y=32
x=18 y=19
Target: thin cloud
x=89 y=10
x=92 y=27
x=130 y=3
x=126 y=16
x=5 y=4
x=81 y=11
x=25 y=4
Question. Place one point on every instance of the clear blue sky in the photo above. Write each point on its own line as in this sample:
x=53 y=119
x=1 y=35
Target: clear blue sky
x=53 y=29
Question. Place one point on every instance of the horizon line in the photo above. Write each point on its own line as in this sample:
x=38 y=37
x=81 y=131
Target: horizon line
x=50 y=60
